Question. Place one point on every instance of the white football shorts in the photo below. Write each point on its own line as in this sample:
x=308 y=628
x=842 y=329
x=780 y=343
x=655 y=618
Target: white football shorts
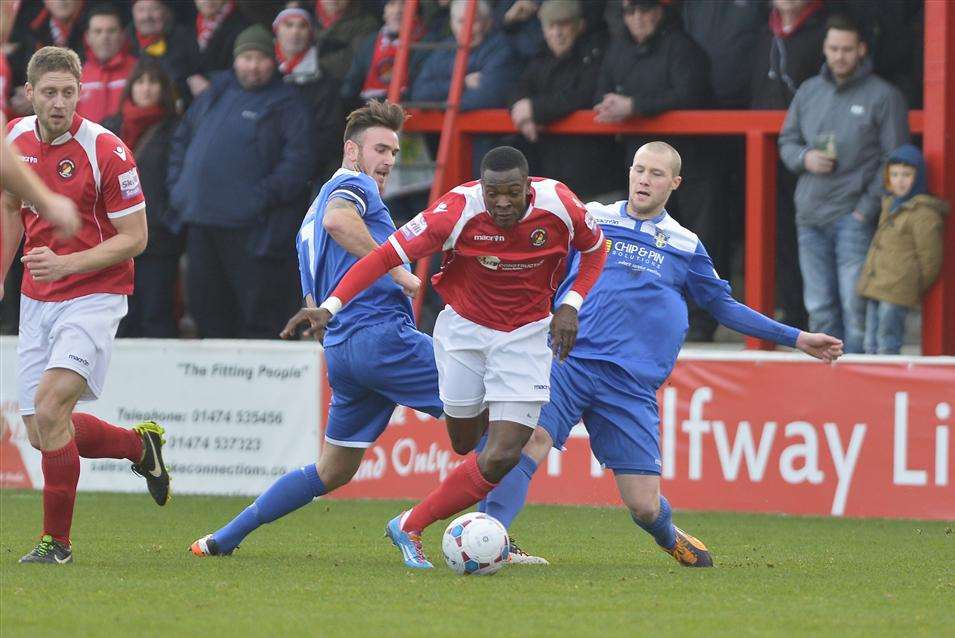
x=76 y=334
x=480 y=366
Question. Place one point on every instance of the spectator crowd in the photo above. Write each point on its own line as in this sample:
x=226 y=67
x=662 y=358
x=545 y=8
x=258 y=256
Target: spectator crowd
x=235 y=112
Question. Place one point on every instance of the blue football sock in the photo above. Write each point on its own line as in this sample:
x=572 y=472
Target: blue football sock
x=506 y=500
x=662 y=528
x=290 y=492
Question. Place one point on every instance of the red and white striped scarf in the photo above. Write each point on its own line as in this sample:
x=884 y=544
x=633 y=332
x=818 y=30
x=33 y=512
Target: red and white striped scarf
x=205 y=27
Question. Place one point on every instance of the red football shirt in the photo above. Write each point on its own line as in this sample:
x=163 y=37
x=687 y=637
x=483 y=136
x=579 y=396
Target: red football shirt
x=501 y=279
x=94 y=168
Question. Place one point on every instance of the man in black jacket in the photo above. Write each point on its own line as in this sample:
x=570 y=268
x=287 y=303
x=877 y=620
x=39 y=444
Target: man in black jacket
x=556 y=83
x=654 y=67
x=788 y=52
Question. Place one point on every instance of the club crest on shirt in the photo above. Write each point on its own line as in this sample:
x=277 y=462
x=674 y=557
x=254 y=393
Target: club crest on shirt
x=538 y=237
x=66 y=168
x=661 y=239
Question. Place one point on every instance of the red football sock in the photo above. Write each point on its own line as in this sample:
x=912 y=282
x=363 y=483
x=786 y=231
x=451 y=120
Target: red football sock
x=61 y=471
x=463 y=487
x=97 y=439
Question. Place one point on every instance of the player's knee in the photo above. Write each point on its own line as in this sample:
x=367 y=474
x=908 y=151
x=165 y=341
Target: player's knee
x=644 y=509
x=52 y=412
x=497 y=462
x=462 y=444
x=539 y=445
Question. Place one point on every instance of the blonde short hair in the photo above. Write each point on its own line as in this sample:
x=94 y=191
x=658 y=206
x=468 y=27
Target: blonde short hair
x=676 y=162
x=50 y=59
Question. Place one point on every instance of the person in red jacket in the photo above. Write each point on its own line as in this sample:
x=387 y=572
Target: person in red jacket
x=108 y=64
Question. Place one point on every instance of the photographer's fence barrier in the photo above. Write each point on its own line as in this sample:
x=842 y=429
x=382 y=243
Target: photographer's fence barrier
x=747 y=431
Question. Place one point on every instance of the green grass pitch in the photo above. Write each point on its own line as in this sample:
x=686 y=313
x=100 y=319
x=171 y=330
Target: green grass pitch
x=327 y=571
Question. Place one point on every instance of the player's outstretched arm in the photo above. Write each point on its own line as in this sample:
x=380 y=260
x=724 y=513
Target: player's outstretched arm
x=819 y=345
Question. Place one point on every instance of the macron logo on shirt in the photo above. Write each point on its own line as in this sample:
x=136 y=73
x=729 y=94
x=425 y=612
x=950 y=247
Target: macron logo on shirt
x=120 y=152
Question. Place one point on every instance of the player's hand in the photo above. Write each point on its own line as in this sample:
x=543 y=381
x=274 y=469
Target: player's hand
x=818 y=162
x=316 y=318
x=819 y=345
x=61 y=212
x=529 y=131
x=613 y=108
x=563 y=331
x=45 y=265
x=522 y=111
x=409 y=283
x=473 y=80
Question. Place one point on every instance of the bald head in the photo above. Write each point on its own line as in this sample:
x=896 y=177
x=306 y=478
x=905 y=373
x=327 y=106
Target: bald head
x=662 y=148
x=654 y=174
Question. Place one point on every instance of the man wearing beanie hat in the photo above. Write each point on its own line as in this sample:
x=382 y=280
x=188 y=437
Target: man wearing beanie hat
x=239 y=173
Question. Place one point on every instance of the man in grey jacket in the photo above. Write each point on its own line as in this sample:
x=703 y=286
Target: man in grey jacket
x=841 y=126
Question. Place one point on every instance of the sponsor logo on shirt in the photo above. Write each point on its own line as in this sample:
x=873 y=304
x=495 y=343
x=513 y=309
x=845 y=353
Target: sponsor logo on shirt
x=129 y=184
x=66 y=168
x=29 y=159
x=639 y=257
x=616 y=221
x=79 y=359
x=489 y=261
x=494 y=263
x=489 y=237
x=538 y=237
x=250 y=115
x=857 y=109
x=415 y=227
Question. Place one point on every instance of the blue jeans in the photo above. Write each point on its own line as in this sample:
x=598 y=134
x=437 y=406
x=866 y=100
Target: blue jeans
x=830 y=258
x=884 y=327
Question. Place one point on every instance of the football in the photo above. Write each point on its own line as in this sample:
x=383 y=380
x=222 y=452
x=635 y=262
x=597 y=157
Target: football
x=475 y=544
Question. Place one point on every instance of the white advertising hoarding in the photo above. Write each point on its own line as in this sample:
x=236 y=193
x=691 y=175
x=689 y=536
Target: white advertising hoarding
x=237 y=414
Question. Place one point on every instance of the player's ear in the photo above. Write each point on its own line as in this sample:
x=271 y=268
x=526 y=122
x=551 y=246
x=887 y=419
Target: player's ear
x=677 y=181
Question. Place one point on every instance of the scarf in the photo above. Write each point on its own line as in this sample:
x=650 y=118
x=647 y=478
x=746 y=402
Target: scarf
x=205 y=27
x=136 y=119
x=378 y=78
x=287 y=65
x=776 y=20
x=59 y=30
x=154 y=45
x=326 y=18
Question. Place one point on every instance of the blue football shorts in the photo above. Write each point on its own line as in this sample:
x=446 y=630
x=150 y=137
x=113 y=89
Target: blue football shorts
x=620 y=414
x=377 y=368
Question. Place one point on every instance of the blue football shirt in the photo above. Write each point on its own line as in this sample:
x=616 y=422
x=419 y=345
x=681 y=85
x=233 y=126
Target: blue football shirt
x=636 y=314
x=323 y=262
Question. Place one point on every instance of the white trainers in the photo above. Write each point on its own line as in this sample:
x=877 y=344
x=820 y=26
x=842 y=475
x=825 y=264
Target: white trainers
x=517 y=556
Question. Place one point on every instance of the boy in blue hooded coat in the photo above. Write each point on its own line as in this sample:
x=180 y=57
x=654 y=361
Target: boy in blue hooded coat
x=906 y=253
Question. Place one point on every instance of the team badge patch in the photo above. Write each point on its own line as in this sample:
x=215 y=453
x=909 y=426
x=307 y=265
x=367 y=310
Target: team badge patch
x=66 y=168
x=538 y=237
x=661 y=239
x=129 y=184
